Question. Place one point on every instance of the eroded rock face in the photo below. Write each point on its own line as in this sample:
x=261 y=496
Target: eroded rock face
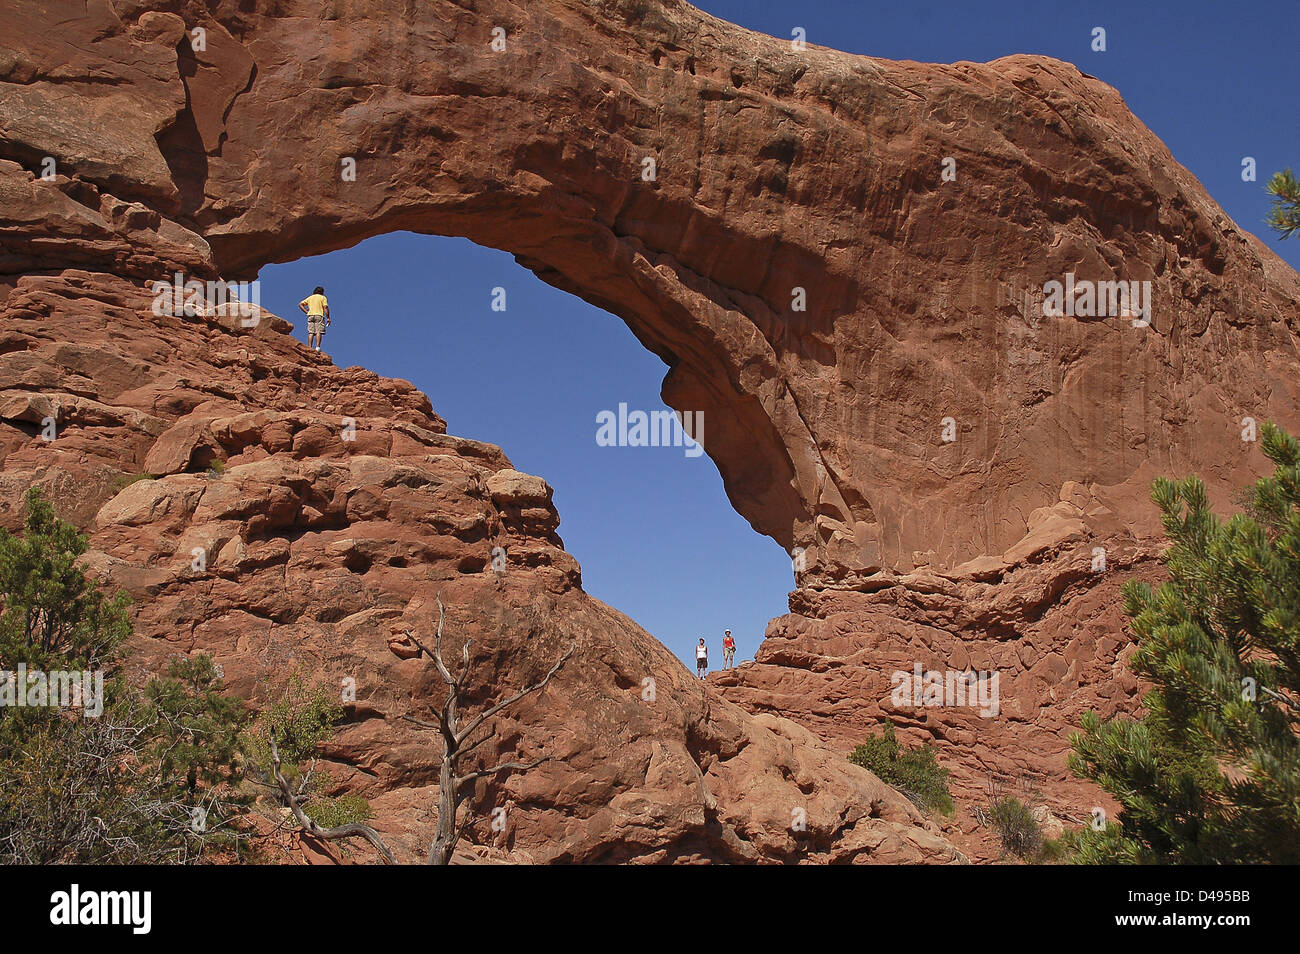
x=282 y=514
x=879 y=391
x=775 y=170
x=995 y=672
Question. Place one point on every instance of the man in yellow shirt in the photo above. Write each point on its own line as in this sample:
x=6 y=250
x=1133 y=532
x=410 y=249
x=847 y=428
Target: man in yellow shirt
x=317 y=309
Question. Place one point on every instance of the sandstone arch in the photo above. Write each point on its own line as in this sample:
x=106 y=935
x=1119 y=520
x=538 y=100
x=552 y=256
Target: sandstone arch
x=776 y=169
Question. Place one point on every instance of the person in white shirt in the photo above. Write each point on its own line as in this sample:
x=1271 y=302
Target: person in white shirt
x=701 y=659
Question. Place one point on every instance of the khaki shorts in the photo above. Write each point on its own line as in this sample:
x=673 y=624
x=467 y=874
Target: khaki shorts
x=315 y=324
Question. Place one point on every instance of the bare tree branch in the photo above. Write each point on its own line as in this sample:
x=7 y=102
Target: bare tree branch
x=420 y=722
x=479 y=719
x=504 y=767
x=351 y=830
x=453 y=786
x=465 y=752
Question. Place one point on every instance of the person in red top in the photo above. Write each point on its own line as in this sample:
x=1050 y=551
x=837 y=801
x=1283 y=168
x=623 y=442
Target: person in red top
x=728 y=651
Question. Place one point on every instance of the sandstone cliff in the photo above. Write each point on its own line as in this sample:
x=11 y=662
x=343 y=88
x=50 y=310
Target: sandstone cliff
x=282 y=514
x=782 y=178
x=774 y=170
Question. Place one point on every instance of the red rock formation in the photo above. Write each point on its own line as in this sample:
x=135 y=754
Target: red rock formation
x=279 y=513
x=781 y=177
x=775 y=170
x=1050 y=633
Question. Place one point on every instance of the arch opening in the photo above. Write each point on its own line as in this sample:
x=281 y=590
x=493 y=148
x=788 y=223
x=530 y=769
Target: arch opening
x=510 y=360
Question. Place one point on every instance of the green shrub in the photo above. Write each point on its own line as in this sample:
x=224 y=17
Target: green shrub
x=51 y=615
x=1017 y=828
x=338 y=811
x=914 y=772
x=199 y=747
x=126 y=480
x=301 y=719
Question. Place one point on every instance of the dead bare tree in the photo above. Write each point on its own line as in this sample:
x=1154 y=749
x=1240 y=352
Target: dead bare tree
x=455 y=784
x=294 y=800
x=994 y=789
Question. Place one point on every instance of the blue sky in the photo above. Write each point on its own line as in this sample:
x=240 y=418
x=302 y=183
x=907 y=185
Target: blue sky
x=652 y=527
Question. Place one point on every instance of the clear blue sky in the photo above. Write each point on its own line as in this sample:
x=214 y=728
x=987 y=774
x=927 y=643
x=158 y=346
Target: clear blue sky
x=652 y=528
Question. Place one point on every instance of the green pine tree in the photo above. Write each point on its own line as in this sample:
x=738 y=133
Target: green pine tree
x=152 y=777
x=1211 y=774
x=196 y=747
x=1284 y=216
x=51 y=612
